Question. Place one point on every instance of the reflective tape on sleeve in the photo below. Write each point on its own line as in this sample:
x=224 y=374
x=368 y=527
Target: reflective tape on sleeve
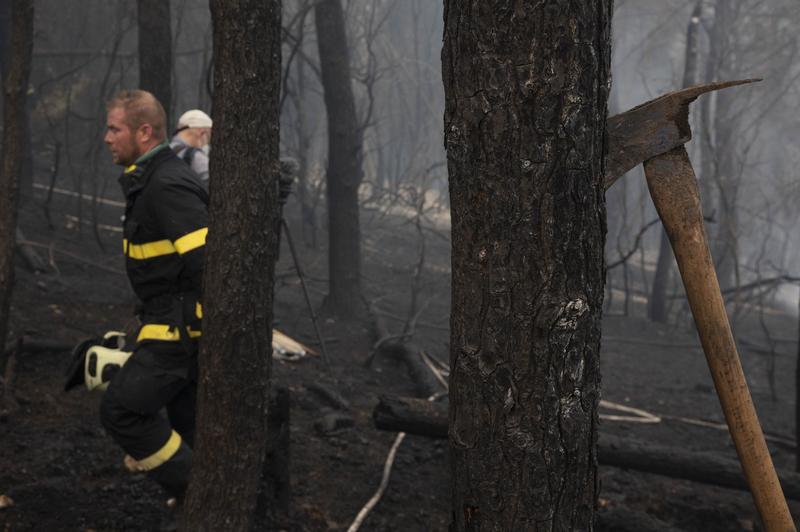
x=164 y=333
x=191 y=241
x=148 y=250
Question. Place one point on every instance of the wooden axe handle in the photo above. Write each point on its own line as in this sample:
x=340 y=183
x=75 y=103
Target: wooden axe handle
x=673 y=187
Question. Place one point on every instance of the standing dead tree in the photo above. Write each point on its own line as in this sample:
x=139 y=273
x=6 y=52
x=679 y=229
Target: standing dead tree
x=15 y=89
x=233 y=388
x=657 y=303
x=525 y=156
x=155 y=51
x=344 y=175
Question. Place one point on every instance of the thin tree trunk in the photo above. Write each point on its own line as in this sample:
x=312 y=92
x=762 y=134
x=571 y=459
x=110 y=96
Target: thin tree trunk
x=797 y=393
x=345 y=155
x=15 y=86
x=657 y=305
x=721 y=150
x=25 y=179
x=526 y=89
x=155 y=51
x=233 y=390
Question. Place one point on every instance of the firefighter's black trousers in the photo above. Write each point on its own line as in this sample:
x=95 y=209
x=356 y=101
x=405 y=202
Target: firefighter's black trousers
x=158 y=375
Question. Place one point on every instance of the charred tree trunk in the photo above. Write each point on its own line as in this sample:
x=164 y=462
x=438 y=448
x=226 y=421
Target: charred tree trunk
x=797 y=394
x=657 y=305
x=15 y=86
x=233 y=391
x=25 y=179
x=720 y=150
x=275 y=490
x=345 y=155
x=728 y=177
x=525 y=122
x=155 y=51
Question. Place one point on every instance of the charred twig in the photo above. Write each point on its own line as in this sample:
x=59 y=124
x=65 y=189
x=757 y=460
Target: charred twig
x=387 y=468
x=636 y=243
x=387 y=338
x=761 y=283
x=420 y=324
x=331 y=396
x=53 y=176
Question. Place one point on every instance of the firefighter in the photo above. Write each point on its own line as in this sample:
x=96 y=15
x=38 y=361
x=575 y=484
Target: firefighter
x=165 y=227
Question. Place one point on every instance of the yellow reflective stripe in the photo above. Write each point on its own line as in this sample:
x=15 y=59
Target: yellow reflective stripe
x=147 y=250
x=198 y=310
x=164 y=333
x=130 y=169
x=162 y=455
x=193 y=240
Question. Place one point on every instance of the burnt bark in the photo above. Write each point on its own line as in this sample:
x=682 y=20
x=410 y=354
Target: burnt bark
x=657 y=304
x=275 y=492
x=25 y=180
x=233 y=389
x=15 y=88
x=155 y=51
x=526 y=88
x=345 y=155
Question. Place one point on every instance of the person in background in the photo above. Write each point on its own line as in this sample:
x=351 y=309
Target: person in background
x=192 y=140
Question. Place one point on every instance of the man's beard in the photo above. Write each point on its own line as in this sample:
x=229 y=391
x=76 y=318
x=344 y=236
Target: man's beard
x=134 y=154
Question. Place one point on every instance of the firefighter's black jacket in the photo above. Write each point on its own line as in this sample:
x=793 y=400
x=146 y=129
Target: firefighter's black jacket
x=165 y=228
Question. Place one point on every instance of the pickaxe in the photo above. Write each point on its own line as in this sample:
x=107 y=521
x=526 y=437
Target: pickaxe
x=654 y=134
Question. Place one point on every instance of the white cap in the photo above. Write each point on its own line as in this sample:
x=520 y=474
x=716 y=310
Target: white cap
x=193 y=118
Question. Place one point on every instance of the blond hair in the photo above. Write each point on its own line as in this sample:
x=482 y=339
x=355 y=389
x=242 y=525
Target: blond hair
x=141 y=107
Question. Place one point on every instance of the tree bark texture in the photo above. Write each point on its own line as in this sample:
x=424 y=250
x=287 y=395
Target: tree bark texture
x=275 y=488
x=345 y=144
x=155 y=51
x=15 y=88
x=526 y=89
x=657 y=305
x=235 y=368
x=25 y=180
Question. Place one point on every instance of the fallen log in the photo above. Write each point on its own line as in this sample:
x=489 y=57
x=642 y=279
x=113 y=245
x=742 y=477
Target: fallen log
x=424 y=418
x=414 y=416
x=397 y=346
